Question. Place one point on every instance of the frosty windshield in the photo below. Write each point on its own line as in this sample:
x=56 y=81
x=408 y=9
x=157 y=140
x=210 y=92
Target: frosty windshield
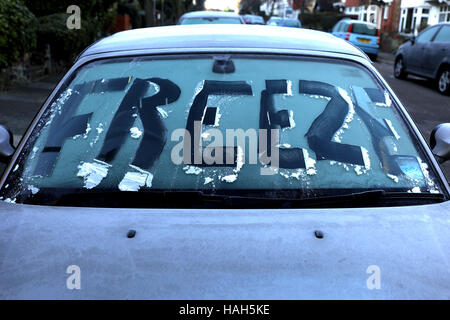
x=221 y=123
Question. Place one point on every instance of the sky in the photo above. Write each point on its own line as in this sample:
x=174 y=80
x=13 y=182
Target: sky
x=222 y=4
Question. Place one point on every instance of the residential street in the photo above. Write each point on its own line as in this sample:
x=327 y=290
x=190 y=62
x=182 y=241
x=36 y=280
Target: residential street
x=427 y=107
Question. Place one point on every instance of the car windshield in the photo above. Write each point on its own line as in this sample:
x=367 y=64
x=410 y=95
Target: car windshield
x=269 y=126
x=211 y=20
x=365 y=29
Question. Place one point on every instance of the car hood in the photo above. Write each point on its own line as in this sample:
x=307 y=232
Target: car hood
x=225 y=254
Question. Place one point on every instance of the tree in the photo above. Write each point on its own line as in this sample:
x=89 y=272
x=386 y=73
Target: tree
x=18 y=31
x=200 y=5
x=91 y=8
x=249 y=6
x=149 y=6
x=170 y=10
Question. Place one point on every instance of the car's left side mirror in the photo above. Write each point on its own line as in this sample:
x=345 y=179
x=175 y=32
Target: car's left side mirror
x=440 y=142
x=412 y=39
x=6 y=145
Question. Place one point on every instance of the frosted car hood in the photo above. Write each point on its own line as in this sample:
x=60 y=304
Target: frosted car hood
x=225 y=254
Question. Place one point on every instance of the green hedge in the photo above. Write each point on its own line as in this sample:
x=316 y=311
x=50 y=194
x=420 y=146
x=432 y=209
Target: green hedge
x=88 y=7
x=17 y=31
x=323 y=21
x=97 y=18
x=65 y=43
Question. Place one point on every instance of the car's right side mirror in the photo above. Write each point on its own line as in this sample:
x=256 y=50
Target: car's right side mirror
x=440 y=142
x=412 y=39
x=6 y=145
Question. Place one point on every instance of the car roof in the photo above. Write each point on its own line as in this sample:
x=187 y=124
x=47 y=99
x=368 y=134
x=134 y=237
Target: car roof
x=440 y=24
x=359 y=21
x=192 y=37
x=198 y=14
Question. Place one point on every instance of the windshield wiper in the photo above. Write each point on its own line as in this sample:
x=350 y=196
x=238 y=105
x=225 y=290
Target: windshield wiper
x=200 y=199
x=372 y=198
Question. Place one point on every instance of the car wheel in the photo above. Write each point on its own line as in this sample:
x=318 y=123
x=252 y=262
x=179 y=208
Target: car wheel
x=443 y=81
x=399 y=69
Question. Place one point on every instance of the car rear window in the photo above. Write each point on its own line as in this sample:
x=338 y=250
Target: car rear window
x=257 y=20
x=223 y=124
x=274 y=21
x=291 y=23
x=211 y=20
x=365 y=29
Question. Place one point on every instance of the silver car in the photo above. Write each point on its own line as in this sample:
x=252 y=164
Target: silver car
x=211 y=17
x=228 y=162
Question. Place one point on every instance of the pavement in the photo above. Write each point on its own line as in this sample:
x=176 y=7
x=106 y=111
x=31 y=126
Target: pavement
x=19 y=105
x=386 y=57
x=426 y=106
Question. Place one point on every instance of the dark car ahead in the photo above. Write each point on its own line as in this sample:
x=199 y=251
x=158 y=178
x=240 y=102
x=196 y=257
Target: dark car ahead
x=211 y=17
x=281 y=22
x=427 y=55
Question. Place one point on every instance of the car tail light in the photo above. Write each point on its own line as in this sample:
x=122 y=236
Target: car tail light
x=347 y=36
x=378 y=36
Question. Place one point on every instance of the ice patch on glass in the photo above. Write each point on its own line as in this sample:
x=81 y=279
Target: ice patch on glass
x=93 y=172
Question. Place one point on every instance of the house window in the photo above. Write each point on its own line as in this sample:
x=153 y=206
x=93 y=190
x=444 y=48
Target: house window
x=423 y=21
x=386 y=13
x=444 y=13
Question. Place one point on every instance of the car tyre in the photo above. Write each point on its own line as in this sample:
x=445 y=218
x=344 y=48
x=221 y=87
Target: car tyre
x=443 y=81
x=399 y=69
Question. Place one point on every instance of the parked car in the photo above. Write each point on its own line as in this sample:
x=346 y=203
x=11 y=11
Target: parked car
x=211 y=17
x=253 y=19
x=284 y=22
x=233 y=162
x=363 y=35
x=427 y=55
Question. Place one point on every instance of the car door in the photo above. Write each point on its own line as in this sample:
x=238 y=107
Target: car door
x=437 y=50
x=416 y=52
